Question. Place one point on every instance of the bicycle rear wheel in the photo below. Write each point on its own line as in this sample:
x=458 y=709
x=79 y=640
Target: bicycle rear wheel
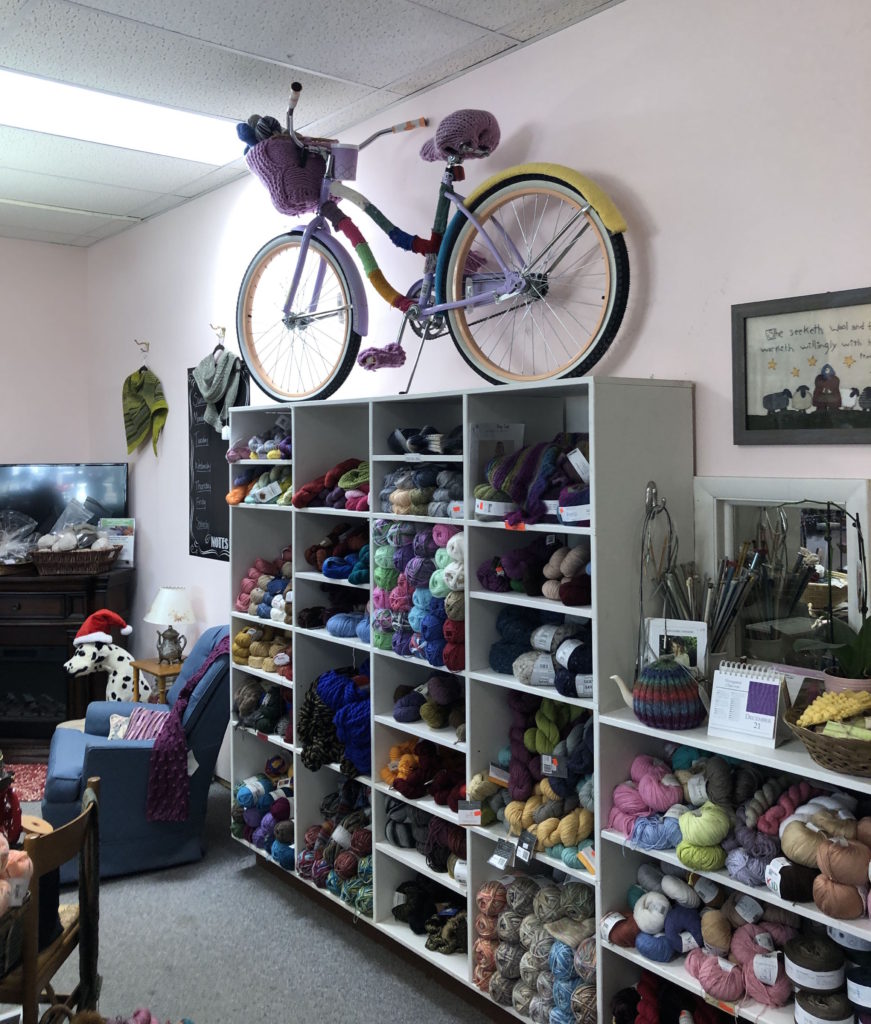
x=576 y=282
x=308 y=352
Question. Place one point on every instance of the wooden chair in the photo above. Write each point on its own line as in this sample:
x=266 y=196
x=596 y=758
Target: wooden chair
x=30 y=982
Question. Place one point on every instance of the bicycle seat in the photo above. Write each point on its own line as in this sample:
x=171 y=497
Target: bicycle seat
x=466 y=133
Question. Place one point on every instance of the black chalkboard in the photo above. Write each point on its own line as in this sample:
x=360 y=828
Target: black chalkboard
x=209 y=478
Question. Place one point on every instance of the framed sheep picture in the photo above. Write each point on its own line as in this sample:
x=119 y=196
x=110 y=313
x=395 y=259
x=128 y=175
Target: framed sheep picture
x=801 y=369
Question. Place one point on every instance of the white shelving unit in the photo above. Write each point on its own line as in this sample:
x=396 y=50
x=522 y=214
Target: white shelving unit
x=639 y=430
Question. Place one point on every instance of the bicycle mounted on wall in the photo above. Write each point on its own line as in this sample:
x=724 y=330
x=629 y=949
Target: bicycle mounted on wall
x=529 y=277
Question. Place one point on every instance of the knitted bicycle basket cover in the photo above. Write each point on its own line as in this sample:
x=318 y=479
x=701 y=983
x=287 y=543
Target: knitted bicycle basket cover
x=294 y=189
x=666 y=696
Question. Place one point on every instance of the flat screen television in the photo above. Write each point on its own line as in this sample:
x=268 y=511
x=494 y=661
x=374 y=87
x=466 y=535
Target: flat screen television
x=44 y=491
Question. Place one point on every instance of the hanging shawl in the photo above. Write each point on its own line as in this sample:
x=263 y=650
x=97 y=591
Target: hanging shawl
x=145 y=408
x=168 y=783
x=218 y=381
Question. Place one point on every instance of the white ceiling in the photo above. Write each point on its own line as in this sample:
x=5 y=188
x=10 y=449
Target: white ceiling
x=229 y=59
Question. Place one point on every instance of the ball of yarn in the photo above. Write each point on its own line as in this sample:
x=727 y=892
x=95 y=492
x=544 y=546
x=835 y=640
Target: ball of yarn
x=508 y=926
x=656 y=832
x=501 y=989
x=814 y=962
x=660 y=793
x=585 y=959
x=830 y=1006
x=793 y=882
x=547 y=904
x=584 y=1004
x=508 y=956
x=716 y=932
x=843 y=902
x=521 y=997
x=649 y=878
x=491 y=898
x=844 y=860
x=701 y=858
x=680 y=893
x=655 y=947
x=561 y=960
x=778 y=993
x=520 y=895
x=680 y=920
x=650 y=911
x=718 y=977
x=706 y=826
x=624 y=932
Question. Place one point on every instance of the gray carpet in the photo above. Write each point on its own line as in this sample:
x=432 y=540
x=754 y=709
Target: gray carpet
x=222 y=942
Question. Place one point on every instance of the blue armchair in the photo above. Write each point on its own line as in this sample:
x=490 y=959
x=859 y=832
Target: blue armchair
x=128 y=841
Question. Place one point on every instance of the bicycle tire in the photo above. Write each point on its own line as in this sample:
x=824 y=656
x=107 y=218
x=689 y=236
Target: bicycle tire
x=457 y=273
x=281 y=357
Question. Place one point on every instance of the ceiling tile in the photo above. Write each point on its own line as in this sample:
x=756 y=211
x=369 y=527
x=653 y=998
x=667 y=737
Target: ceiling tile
x=462 y=58
x=496 y=15
x=565 y=14
x=354 y=113
x=367 y=42
x=56 y=190
x=86 y=47
x=30 y=234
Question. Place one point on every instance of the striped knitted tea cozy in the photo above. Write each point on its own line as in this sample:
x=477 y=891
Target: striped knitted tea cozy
x=666 y=696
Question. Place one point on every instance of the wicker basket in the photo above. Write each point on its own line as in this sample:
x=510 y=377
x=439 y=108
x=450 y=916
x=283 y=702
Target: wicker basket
x=83 y=562
x=846 y=757
x=11 y=934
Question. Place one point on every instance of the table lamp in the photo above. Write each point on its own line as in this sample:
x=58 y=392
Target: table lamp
x=171 y=608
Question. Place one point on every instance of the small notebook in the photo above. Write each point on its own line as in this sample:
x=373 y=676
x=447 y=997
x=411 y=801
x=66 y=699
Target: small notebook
x=747 y=704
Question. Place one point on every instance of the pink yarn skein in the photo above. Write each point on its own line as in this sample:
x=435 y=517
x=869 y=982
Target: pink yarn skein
x=628 y=798
x=786 y=805
x=712 y=974
x=643 y=764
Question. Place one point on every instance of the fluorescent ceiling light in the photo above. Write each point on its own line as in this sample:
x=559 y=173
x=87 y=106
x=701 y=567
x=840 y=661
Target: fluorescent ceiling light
x=39 y=105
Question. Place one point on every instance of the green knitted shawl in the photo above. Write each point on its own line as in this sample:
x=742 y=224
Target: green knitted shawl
x=145 y=408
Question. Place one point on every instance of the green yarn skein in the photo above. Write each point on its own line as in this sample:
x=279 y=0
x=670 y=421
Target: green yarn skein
x=701 y=858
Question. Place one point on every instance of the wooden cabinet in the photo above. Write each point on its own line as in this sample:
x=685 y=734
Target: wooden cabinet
x=39 y=617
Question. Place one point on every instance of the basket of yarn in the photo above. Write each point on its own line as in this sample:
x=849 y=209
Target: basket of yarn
x=843 y=755
x=665 y=696
x=292 y=176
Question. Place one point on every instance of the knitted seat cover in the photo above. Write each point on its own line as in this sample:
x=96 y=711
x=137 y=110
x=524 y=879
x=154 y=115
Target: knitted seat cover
x=477 y=129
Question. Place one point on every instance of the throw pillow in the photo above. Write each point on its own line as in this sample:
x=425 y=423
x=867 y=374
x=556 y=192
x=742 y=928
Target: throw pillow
x=118 y=726
x=145 y=723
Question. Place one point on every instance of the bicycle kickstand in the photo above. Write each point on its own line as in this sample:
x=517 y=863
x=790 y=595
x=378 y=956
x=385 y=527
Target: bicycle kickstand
x=407 y=387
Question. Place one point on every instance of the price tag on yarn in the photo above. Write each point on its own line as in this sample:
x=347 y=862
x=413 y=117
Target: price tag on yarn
x=772 y=873
x=554 y=766
x=551 y=508
x=765 y=967
x=706 y=889
x=503 y=855
x=526 y=846
x=264 y=494
x=574 y=513
x=749 y=909
x=578 y=462
x=469 y=812
x=697 y=790
x=457 y=510
x=608 y=922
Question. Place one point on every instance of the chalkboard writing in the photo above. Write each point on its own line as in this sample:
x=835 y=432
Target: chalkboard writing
x=209 y=478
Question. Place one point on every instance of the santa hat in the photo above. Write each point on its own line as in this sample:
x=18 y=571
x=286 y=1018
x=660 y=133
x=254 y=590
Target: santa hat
x=98 y=627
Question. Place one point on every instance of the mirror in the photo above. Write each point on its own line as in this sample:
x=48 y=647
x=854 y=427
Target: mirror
x=795 y=544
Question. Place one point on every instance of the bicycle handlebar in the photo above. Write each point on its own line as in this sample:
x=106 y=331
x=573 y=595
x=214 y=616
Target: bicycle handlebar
x=295 y=90
x=407 y=126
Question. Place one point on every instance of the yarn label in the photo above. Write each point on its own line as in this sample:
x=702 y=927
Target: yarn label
x=497 y=775
x=543 y=671
x=765 y=966
x=725 y=965
x=821 y=981
x=493 y=508
x=554 y=766
x=578 y=462
x=772 y=873
x=574 y=513
x=526 y=846
x=542 y=637
x=267 y=493
x=697 y=790
x=399 y=898
x=458 y=509
x=706 y=889
x=551 y=506
x=687 y=942
x=565 y=651
x=858 y=993
x=608 y=923
x=803 y=1017
x=469 y=812
x=503 y=855
x=749 y=909
x=848 y=940
x=583 y=686
x=764 y=940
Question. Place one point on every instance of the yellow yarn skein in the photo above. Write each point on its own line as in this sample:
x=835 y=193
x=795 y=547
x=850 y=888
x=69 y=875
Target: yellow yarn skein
x=701 y=858
x=707 y=826
x=514 y=816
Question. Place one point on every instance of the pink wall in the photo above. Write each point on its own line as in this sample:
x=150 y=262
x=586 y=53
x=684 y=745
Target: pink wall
x=46 y=355
x=726 y=132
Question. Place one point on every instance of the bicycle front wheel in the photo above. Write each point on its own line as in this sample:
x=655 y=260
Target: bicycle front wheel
x=575 y=282
x=310 y=350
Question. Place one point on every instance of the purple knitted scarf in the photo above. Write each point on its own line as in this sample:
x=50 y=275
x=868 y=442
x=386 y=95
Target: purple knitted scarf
x=168 y=782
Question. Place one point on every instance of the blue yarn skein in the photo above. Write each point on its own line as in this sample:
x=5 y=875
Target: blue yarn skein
x=421 y=598
x=344 y=624
x=561 y=960
x=656 y=832
x=352 y=728
x=431 y=628
x=360 y=572
x=682 y=919
x=503 y=655
x=415 y=619
x=745 y=868
x=558 y=1015
x=338 y=568
x=364 y=630
x=283 y=854
x=434 y=652
x=633 y=895
x=562 y=992
x=654 y=947
x=684 y=757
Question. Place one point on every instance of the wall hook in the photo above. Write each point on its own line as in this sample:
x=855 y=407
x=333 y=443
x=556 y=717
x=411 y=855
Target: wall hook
x=144 y=346
x=220 y=331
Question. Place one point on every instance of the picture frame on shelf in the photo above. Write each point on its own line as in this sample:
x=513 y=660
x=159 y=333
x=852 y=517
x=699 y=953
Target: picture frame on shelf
x=685 y=640
x=801 y=369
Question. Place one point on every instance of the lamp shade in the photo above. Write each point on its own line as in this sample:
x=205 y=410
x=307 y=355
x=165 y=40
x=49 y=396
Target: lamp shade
x=171 y=607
